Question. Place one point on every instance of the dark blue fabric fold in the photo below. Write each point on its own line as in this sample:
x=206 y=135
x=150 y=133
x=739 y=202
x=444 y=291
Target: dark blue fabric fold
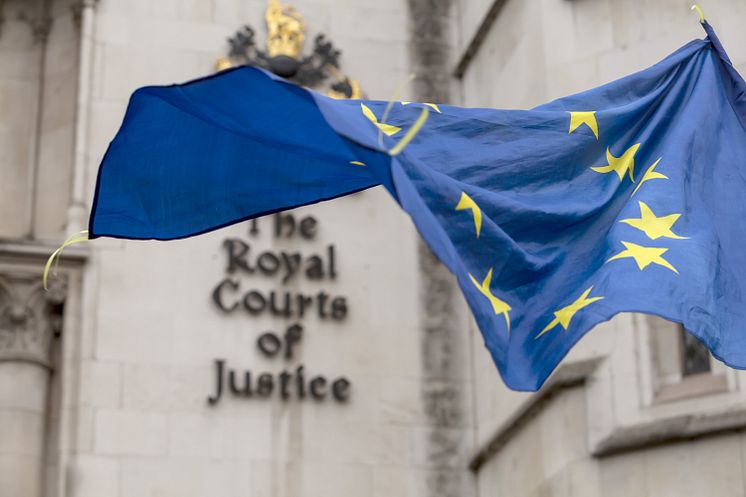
x=195 y=157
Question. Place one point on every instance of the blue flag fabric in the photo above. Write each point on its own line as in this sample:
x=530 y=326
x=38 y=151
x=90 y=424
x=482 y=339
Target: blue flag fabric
x=625 y=198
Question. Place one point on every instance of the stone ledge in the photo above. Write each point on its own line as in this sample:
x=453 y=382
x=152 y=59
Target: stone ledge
x=34 y=251
x=476 y=42
x=566 y=376
x=672 y=429
x=622 y=439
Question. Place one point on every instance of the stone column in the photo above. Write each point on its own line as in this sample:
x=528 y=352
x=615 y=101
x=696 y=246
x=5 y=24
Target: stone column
x=30 y=319
x=445 y=331
x=84 y=12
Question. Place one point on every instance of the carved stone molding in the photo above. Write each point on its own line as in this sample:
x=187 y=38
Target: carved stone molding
x=2 y=16
x=30 y=318
x=77 y=7
x=40 y=23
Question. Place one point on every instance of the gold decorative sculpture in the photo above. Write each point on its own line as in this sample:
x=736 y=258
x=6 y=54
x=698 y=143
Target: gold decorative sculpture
x=344 y=87
x=286 y=34
x=287 y=30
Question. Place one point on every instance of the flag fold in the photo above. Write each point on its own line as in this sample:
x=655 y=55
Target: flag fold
x=625 y=198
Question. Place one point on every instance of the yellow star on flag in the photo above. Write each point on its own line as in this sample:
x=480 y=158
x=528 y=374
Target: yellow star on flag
x=389 y=129
x=644 y=256
x=565 y=315
x=620 y=165
x=466 y=202
x=653 y=226
x=651 y=173
x=498 y=305
x=578 y=119
x=431 y=105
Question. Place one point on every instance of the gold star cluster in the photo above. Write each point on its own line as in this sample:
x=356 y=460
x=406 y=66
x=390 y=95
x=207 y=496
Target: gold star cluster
x=652 y=225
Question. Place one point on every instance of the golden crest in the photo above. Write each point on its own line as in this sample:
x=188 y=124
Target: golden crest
x=287 y=30
x=286 y=35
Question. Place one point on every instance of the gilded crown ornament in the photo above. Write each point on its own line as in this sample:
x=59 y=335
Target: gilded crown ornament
x=286 y=35
x=287 y=30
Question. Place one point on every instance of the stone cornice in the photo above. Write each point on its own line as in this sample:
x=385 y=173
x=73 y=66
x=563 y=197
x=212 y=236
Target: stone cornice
x=685 y=426
x=671 y=429
x=476 y=41
x=38 y=251
x=77 y=8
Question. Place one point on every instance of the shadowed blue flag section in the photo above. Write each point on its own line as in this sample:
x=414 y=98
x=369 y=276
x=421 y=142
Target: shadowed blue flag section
x=625 y=198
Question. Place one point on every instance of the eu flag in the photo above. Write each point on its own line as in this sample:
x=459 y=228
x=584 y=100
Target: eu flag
x=625 y=198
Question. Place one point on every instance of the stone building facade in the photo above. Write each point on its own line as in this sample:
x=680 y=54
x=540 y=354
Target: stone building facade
x=626 y=414
x=212 y=366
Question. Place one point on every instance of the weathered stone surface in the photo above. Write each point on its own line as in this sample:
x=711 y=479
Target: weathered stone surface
x=30 y=318
x=152 y=332
x=129 y=433
x=442 y=446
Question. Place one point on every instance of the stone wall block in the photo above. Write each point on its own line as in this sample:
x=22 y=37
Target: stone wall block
x=623 y=475
x=164 y=388
x=196 y=435
x=19 y=385
x=130 y=433
x=336 y=481
x=101 y=384
x=574 y=31
x=95 y=477
x=19 y=476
